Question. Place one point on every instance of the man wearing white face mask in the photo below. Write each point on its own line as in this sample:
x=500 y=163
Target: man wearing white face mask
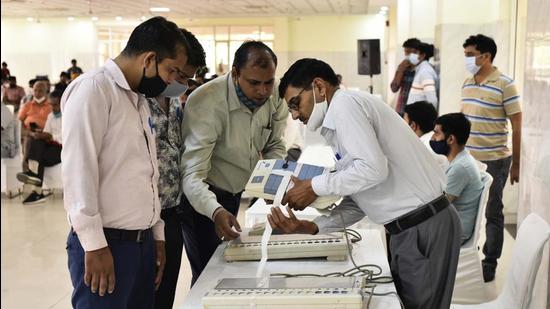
x=166 y=116
x=489 y=99
x=424 y=86
x=404 y=75
x=388 y=175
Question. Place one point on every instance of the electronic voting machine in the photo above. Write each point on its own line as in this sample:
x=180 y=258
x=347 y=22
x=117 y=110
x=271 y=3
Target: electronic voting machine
x=288 y=293
x=270 y=180
x=332 y=246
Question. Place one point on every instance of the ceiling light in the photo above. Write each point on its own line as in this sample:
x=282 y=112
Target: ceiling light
x=30 y=19
x=95 y=18
x=118 y=18
x=383 y=13
x=384 y=8
x=70 y=18
x=159 y=10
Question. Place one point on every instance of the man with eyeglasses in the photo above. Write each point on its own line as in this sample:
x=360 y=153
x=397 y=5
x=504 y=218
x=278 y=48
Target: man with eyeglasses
x=228 y=125
x=166 y=118
x=383 y=171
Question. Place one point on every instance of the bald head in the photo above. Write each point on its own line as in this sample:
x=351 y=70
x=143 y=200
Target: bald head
x=40 y=89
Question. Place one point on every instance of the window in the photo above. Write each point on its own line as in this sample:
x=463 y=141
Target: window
x=221 y=42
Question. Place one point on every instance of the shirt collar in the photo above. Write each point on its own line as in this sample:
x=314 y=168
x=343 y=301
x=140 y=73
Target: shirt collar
x=117 y=74
x=328 y=121
x=234 y=102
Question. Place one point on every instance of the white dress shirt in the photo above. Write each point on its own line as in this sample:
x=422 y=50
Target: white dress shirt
x=53 y=126
x=110 y=171
x=382 y=167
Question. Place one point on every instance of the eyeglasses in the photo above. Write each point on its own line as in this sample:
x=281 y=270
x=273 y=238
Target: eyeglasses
x=294 y=102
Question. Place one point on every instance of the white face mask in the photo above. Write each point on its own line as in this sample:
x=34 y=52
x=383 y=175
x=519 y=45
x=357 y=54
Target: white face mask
x=318 y=114
x=471 y=66
x=42 y=99
x=174 y=90
x=413 y=59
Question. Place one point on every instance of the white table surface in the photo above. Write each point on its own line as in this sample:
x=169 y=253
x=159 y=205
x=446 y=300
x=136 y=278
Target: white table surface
x=370 y=250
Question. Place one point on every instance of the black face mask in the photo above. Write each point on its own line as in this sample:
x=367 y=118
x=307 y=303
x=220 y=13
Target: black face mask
x=151 y=87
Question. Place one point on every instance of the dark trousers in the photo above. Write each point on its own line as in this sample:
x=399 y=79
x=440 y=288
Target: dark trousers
x=135 y=269
x=164 y=297
x=494 y=229
x=44 y=153
x=424 y=261
x=199 y=233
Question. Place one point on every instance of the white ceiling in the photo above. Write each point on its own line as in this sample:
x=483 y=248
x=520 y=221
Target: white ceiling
x=187 y=8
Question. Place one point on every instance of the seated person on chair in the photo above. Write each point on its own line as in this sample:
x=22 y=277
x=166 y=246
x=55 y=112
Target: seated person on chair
x=420 y=116
x=464 y=184
x=10 y=147
x=43 y=150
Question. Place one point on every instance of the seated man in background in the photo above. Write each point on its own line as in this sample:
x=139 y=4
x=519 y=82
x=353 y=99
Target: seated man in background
x=44 y=150
x=420 y=116
x=464 y=185
x=12 y=94
x=33 y=115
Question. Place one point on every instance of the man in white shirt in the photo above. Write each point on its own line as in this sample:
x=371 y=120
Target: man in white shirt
x=110 y=171
x=44 y=150
x=383 y=171
x=421 y=117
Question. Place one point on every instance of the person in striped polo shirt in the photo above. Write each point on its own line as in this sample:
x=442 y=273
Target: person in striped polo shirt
x=489 y=99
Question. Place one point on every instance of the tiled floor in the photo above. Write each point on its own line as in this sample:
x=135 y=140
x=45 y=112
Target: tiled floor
x=34 y=262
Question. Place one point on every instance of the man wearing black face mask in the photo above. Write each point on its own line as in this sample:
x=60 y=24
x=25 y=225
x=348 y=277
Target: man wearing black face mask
x=464 y=185
x=166 y=115
x=229 y=124
x=110 y=171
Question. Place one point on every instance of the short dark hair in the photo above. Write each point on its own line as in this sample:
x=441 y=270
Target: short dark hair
x=455 y=124
x=156 y=35
x=63 y=73
x=32 y=81
x=11 y=77
x=73 y=61
x=482 y=43
x=57 y=93
x=412 y=43
x=195 y=54
x=426 y=49
x=423 y=114
x=4 y=64
x=302 y=73
x=244 y=52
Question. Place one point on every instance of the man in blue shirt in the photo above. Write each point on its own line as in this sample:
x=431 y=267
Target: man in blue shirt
x=464 y=185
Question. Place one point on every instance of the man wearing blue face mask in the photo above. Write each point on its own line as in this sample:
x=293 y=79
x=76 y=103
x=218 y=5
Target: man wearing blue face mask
x=44 y=150
x=115 y=248
x=464 y=185
x=166 y=116
x=229 y=124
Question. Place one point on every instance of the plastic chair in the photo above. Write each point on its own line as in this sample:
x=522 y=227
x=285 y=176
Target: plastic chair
x=517 y=293
x=469 y=286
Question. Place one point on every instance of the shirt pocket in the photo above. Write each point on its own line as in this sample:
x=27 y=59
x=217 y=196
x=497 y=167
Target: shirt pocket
x=261 y=139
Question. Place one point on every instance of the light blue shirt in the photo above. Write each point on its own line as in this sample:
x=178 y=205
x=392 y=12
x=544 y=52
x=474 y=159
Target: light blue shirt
x=464 y=182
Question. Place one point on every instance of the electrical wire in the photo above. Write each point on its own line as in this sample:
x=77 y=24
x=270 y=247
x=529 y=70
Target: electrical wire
x=370 y=272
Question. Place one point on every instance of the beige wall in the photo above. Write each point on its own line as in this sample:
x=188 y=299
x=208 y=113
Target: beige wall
x=47 y=47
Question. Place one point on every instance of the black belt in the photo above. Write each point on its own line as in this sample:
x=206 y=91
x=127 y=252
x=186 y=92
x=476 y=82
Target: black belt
x=418 y=215
x=128 y=235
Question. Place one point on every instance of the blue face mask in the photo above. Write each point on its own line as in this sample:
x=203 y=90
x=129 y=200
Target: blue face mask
x=244 y=99
x=57 y=114
x=440 y=147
